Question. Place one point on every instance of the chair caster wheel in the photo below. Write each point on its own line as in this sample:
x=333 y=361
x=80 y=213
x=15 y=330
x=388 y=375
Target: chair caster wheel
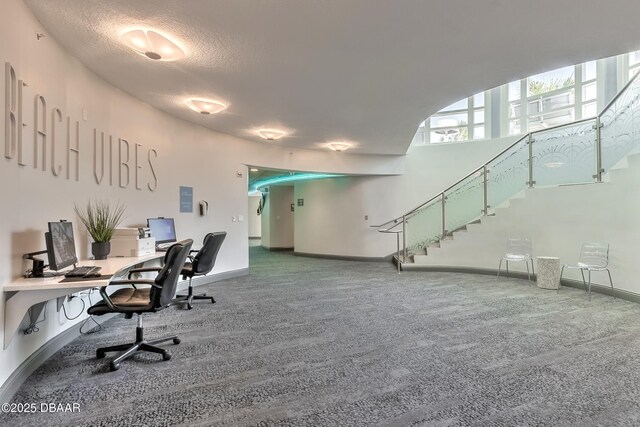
x=166 y=356
x=213 y=301
x=189 y=307
x=114 y=366
x=100 y=355
x=176 y=341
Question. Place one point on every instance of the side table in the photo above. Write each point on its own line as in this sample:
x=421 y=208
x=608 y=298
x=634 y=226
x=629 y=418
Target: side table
x=548 y=272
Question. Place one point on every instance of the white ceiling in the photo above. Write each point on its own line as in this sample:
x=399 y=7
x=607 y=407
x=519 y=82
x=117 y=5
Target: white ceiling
x=367 y=71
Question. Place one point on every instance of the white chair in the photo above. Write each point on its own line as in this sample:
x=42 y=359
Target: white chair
x=593 y=257
x=518 y=250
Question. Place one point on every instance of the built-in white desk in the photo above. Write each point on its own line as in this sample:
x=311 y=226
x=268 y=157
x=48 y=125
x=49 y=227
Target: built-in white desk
x=22 y=293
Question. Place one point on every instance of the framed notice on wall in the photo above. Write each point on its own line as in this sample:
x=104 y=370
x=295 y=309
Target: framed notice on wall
x=186 y=199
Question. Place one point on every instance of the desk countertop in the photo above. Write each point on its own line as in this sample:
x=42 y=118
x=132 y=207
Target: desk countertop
x=109 y=266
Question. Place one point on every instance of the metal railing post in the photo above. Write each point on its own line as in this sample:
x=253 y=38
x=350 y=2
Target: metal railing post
x=599 y=170
x=398 y=252
x=531 y=182
x=444 y=229
x=404 y=238
x=485 y=209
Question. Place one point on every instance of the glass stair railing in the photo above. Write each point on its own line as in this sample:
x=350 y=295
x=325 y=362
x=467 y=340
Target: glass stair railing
x=573 y=153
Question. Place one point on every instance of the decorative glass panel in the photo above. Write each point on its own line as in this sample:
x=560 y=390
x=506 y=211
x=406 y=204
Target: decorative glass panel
x=424 y=227
x=564 y=155
x=464 y=202
x=508 y=174
x=621 y=126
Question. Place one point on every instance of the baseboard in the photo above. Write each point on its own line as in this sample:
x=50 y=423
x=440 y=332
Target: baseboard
x=216 y=277
x=38 y=357
x=255 y=237
x=595 y=288
x=343 y=257
x=278 y=249
x=48 y=349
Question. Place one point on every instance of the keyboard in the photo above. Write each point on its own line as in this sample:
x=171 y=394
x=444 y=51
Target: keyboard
x=84 y=271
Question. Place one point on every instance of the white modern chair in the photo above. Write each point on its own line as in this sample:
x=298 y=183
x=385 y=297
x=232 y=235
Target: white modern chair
x=593 y=257
x=518 y=250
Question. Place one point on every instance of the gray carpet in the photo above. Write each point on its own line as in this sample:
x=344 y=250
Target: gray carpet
x=306 y=342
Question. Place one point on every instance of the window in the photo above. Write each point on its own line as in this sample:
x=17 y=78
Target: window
x=537 y=102
x=460 y=121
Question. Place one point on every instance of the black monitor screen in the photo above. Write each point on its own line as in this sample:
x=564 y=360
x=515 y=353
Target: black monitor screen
x=162 y=229
x=61 y=246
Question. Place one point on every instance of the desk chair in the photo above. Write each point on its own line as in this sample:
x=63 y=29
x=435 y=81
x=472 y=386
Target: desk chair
x=201 y=264
x=137 y=300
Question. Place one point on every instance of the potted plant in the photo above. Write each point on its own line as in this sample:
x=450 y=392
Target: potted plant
x=100 y=218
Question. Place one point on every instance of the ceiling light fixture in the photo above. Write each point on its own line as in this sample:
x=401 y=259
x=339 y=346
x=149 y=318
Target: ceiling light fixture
x=271 y=134
x=254 y=169
x=152 y=45
x=206 y=106
x=339 y=146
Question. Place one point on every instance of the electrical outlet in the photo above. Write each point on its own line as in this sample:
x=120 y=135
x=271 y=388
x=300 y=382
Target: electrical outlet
x=240 y=218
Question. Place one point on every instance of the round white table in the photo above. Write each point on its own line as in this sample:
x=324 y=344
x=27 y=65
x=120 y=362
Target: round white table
x=548 y=272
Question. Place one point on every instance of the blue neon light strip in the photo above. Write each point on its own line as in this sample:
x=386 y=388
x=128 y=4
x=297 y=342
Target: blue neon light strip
x=289 y=178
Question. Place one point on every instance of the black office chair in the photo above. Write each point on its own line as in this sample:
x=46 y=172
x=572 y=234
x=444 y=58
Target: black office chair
x=136 y=300
x=201 y=264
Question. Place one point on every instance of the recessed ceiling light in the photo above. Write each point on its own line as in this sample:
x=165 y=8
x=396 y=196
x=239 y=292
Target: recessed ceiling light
x=254 y=169
x=206 y=106
x=339 y=146
x=271 y=134
x=152 y=45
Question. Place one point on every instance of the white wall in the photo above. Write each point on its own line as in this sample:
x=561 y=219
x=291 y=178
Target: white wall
x=212 y=163
x=254 y=220
x=333 y=219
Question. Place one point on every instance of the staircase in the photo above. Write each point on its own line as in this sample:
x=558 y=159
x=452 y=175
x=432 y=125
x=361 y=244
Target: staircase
x=544 y=168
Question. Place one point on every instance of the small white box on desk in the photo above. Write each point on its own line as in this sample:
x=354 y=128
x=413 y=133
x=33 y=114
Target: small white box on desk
x=133 y=247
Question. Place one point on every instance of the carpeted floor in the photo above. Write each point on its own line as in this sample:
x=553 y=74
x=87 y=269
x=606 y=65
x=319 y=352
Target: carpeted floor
x=307 y=342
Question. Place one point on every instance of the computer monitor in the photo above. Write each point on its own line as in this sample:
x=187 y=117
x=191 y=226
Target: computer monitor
x=61 y=246
x=162 y=229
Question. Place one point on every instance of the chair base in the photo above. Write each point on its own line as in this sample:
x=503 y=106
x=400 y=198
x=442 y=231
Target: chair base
x=190 y=297
x=130 y=349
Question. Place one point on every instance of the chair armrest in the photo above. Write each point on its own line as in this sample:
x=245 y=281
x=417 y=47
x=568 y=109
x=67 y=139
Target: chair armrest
x=135 y=282
x=143 y=270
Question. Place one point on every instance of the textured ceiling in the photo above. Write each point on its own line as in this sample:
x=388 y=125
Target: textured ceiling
x=367 y=71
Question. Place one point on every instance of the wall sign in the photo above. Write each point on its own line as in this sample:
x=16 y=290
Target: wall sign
x=186 y=199
x=53 y=142
x=300 y=202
